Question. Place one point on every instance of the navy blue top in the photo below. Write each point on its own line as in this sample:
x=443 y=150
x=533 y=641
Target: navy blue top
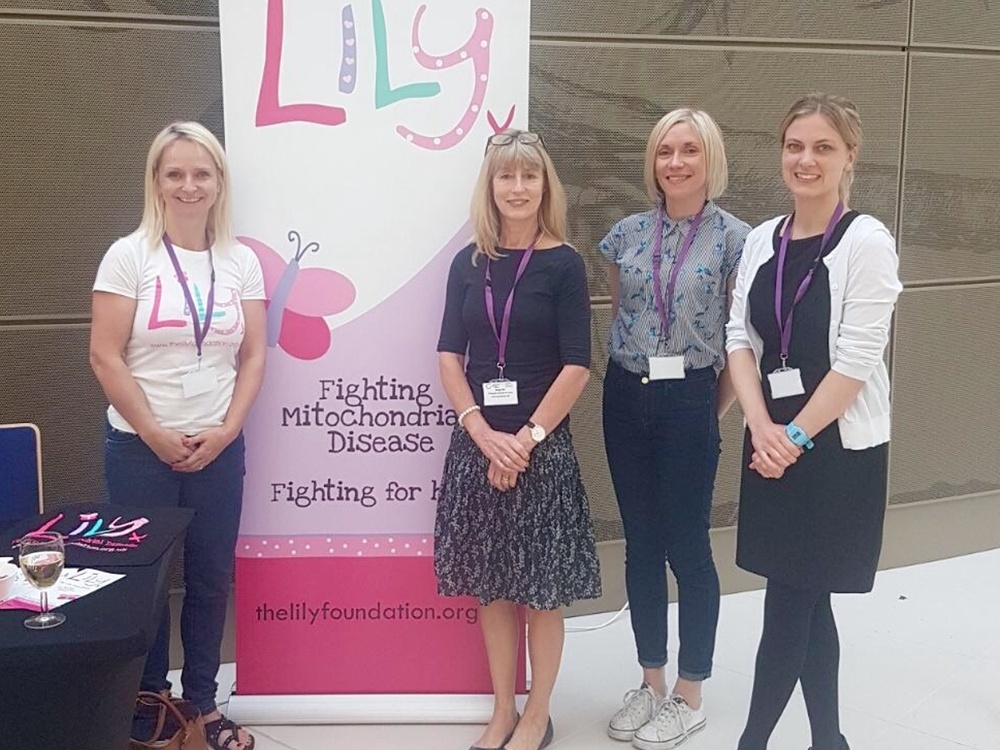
x=549 y=324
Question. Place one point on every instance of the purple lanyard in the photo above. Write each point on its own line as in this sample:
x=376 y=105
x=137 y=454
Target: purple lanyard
x=504 y=332
x=785 y=322
x=663 y=308
x=199 y=332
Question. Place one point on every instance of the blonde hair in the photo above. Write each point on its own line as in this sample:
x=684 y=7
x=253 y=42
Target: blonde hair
x=485 y=215
x=220 y=229
x=843 y=116
x=717 y=170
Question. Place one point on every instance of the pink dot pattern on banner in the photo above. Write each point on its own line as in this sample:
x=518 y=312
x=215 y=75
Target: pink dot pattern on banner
x=478 y=49
x=341 y=545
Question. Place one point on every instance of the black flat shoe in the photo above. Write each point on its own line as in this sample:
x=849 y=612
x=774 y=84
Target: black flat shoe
x=843 y=744
x=505 y=741
x=546 y=738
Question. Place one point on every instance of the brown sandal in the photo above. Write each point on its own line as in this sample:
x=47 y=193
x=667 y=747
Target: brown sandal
x=214 y=728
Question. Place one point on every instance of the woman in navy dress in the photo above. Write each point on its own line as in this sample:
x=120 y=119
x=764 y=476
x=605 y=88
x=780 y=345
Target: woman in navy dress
x=809 y=325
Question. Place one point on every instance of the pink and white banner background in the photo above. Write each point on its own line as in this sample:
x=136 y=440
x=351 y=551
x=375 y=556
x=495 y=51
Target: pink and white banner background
x=354 y=132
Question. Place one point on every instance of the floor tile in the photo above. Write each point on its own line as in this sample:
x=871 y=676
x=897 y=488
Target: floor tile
x=901 y=738
x=932 y=605
x=886 y=677
x=964 y=709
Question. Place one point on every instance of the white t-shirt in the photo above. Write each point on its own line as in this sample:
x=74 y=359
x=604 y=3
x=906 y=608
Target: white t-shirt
x=162 y=345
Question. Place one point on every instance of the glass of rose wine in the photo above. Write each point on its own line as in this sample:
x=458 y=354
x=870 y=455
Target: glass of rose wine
x=42 y=556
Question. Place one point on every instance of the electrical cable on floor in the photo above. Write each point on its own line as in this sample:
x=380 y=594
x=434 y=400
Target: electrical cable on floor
x=590 y=628
x=225 y=704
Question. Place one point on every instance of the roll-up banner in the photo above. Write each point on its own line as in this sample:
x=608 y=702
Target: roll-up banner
x=355 y=131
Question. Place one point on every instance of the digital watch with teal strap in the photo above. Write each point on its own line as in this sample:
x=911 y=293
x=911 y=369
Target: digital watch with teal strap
x=798 y=436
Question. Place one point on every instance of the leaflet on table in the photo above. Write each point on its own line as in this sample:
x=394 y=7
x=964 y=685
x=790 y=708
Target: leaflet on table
x=72 y=584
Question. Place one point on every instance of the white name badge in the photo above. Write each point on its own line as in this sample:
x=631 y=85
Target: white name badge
x=786 y=382
x=197 y=382
x=666 y=368
x=500 y=393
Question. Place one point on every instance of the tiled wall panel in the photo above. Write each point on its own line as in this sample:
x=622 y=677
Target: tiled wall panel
x=190 y=8
x=956 y=23
x=80 y=106
x=45 y=379
x=951 y=212
x=945 y=397
x=839 y=20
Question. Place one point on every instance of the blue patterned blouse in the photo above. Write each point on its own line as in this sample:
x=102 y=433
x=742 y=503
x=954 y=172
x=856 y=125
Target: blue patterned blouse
x=698 y=317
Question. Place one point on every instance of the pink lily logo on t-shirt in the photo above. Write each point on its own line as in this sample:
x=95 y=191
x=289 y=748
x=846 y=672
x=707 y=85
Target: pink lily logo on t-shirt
x=156 y=322
x=233 y=303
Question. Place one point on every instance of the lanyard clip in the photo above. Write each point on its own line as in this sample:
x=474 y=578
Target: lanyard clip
x=500 y=367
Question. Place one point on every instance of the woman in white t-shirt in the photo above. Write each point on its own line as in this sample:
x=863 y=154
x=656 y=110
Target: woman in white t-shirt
x=178 y=343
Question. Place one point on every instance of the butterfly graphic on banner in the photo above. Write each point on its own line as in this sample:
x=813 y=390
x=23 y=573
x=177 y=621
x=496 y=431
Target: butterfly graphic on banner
x=298 y=298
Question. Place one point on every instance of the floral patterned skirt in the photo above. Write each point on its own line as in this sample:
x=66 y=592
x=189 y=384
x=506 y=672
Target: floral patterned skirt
x=531 y=545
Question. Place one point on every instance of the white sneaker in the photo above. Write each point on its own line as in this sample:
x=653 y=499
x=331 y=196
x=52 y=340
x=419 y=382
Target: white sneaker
x=638 y=709
x=673 y=722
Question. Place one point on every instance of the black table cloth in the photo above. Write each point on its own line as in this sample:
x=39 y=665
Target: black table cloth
x=74 y=686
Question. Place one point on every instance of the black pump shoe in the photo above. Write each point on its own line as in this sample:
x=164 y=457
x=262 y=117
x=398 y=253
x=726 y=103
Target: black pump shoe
x=546 y=738
x=505 y=741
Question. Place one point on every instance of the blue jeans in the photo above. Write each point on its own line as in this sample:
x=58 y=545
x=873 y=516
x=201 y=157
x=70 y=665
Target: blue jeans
x=662 y=441
x=136 y=477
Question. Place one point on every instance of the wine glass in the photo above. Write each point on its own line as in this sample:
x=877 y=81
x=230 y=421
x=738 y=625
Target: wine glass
x=42 y=556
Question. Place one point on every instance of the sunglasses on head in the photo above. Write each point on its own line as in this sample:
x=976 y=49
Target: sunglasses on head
x=521 y=136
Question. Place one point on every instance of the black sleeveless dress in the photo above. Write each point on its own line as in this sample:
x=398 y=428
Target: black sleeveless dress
x=820 y=525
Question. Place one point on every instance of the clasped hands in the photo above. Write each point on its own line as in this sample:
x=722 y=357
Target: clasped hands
x=508 y=455
x=773 y=452
x=189 y=453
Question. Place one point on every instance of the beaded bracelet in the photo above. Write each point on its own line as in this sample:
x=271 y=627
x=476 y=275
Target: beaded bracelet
x=465 y=413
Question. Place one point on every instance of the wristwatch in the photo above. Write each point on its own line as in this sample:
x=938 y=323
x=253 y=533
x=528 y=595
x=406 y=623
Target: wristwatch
x=538 y=433
x=798 y=436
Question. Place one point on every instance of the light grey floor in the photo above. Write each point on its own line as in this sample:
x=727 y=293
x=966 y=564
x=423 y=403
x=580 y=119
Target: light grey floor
x=920 y=671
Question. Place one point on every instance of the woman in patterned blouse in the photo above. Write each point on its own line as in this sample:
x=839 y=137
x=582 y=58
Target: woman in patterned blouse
x=671 y=273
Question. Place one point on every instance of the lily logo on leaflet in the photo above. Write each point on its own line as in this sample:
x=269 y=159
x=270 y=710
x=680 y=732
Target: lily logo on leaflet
x=117 y=535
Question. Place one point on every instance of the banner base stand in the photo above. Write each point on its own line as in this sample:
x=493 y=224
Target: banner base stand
x=362 y=709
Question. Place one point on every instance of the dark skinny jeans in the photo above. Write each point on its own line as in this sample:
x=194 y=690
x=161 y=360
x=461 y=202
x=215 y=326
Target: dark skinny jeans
x=138 y=478
x=662 y=442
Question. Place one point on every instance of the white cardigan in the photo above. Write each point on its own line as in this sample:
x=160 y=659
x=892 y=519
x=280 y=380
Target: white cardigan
x=864 y=285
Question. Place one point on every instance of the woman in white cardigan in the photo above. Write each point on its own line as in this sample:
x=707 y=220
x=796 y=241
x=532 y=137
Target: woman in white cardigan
x=806 y=336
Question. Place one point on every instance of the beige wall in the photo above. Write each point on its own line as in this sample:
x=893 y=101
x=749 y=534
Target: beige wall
x=84 y=84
